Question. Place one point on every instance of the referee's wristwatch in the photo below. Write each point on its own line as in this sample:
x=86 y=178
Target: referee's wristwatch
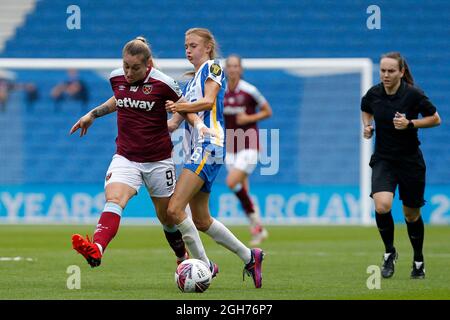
x=410 y=125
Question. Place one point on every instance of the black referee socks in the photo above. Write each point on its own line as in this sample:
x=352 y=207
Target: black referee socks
x=416 y=235
x=385 y=224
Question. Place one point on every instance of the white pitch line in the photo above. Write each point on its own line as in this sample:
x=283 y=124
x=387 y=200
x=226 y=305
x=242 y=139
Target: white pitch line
x=16 y=259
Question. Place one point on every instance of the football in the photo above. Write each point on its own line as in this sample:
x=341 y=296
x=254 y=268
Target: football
x=193 y=275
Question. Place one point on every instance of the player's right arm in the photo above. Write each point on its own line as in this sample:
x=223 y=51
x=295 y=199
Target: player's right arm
x=367 y=119
x=86 y=121
x=206 y=103
x=191 y=117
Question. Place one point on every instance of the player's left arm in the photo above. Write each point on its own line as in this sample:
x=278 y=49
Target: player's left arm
x=174 y=122
x=264 y=112
x=212 y=88
x=427 y=122
x=401 y=123
x=430 y=117
x=193 y=119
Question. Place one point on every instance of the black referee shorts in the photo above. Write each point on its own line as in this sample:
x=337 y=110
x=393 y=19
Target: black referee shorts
x=408 y=173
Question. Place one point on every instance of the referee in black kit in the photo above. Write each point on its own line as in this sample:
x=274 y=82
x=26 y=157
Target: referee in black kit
x=395 y=105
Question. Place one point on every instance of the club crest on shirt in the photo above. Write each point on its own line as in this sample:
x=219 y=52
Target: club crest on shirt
x=147 y=88
x=215 y=69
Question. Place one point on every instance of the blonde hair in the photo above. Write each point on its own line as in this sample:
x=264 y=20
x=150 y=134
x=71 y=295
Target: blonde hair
x=137 y=46
x=208 y=39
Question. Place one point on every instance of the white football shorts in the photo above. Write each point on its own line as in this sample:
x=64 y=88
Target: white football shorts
x=158 y=177
x=245 y=160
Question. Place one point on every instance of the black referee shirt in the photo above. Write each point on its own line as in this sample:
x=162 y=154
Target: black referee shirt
x=410 y=100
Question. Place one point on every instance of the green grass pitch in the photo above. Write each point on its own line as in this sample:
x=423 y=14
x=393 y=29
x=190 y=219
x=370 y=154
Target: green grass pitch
x=302 y=262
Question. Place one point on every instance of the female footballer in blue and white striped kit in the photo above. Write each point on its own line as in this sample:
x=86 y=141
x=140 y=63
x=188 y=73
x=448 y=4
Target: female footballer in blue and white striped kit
x=204 y=95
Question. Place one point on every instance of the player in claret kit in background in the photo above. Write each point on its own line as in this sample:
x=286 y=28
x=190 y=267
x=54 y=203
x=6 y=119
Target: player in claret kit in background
x=205 y=93
x=144 y=148
x=395 y=105
x=244 y=107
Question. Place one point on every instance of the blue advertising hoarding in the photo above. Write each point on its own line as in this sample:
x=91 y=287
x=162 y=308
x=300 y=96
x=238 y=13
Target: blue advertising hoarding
x=279 y=204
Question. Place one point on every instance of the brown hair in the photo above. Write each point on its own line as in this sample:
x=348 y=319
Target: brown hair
x=208 y=37
x=233 y=55
x=239 y=58
x=403 y=65
x=139 y=45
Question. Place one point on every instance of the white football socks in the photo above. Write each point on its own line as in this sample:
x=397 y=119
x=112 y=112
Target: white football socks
x=99 y=247
x=226 y=238
x=192 y=240
x=254 y=217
